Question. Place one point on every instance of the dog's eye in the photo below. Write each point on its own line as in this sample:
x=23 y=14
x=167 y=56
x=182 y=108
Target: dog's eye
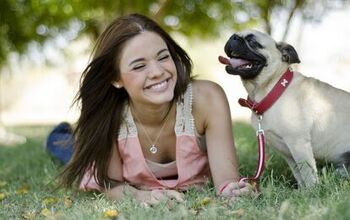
x=249 y=37
x=252 y=42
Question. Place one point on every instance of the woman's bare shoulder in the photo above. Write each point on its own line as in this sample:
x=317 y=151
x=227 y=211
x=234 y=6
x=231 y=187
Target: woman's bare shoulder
x=206 y=92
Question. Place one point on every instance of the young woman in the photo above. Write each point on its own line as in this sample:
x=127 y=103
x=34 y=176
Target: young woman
x=146 y=127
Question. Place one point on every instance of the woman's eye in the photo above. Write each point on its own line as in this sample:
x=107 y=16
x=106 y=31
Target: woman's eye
x=138 y=67
x=164 y=57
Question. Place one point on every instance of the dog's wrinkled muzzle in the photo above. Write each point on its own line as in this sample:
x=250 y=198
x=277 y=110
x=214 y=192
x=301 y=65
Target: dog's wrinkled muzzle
x=243 y=59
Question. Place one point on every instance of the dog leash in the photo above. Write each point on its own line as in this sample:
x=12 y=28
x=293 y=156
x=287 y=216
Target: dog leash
x=261 y=152
x=259 y=108
x=261 y=161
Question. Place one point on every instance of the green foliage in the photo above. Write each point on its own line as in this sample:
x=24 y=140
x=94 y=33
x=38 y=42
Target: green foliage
x=27 y=173
x=25 y=22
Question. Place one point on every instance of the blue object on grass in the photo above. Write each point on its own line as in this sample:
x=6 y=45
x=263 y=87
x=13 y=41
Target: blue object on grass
x=60 y=142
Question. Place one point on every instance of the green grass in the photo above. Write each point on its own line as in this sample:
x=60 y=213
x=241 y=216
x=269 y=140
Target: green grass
x=26 y=174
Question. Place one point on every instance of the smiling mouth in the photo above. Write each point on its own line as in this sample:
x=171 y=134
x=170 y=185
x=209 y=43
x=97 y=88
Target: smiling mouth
x=158 y=86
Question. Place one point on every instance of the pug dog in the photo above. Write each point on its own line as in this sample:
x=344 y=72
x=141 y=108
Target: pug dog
x=309 y=121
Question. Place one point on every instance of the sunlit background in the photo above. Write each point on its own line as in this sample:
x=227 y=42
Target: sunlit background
x=37 y=86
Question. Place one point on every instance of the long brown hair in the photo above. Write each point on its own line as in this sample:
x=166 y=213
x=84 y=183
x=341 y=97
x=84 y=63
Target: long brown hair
x=101 y=104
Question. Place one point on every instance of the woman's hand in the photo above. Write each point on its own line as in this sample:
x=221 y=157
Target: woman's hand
x=156 y=196
x=237 y=189
x=145 y=197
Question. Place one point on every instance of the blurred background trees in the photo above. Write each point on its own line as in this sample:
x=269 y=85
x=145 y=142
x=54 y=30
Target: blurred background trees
x=34 y=22
x=27 y=25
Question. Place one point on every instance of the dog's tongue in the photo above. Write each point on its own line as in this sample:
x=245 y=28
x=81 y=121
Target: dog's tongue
x=234 y=62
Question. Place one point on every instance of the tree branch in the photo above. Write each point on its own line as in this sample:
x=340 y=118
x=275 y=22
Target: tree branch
x=298 y=4
x=163 y=5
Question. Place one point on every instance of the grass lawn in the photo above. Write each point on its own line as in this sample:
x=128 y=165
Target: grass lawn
x=27 y=174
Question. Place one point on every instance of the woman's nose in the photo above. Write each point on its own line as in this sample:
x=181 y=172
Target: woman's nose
x=155 y=70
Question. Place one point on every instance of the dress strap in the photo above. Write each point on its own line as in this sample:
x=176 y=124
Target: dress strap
x=184 y=119
x=128 y=127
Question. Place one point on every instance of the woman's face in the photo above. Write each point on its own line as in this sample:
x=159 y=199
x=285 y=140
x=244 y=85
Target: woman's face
x=147 y=70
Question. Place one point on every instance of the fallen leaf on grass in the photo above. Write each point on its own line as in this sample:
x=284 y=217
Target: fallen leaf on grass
x=29 y=215
x=46 y=212
x=2 y=196
x=193 y=211
x=22 y=190
x=51 y=213
x=111 y=213
x=49 y=201
x=67 y=202
x=345 y=183
x=202 y=202
x=205 y=201
x=2 y=183
x=236 y=213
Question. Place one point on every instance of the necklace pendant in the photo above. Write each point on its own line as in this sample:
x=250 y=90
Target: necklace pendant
x=153 y=149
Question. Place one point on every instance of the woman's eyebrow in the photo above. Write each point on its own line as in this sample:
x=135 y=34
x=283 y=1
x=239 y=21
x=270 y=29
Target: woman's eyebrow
x=162 y=50
x=142 y=59
x=136 y=60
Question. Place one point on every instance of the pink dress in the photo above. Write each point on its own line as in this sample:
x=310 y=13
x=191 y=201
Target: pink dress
x=191 y=158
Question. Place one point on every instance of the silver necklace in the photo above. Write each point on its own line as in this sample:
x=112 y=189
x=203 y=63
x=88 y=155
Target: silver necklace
x=153 y=148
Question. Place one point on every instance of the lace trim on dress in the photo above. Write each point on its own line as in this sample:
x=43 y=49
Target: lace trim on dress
x=128 y=127
x=184 y=119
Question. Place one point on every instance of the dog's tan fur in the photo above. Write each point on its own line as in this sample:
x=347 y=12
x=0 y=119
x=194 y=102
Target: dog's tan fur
x=311 y=120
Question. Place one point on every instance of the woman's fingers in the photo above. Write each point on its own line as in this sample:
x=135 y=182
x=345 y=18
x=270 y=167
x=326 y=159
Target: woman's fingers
x=157 y=196
x=237 y=189
x=242 y=191
x=230 y=188
x=163 y=195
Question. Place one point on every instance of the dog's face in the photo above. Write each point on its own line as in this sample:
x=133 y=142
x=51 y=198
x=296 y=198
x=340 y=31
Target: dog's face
x=252 y=52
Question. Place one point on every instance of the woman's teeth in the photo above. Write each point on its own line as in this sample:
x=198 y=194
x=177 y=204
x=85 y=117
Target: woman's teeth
x=158 y=86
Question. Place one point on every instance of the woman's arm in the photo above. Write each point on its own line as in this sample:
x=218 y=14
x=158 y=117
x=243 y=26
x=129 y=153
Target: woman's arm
x=213 y=118
x=149 y=197
x=211 y=107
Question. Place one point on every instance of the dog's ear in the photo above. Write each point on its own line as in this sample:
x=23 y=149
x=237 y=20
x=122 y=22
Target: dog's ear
x=289 y=54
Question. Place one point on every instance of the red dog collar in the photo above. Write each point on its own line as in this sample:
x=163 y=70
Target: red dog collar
x=260 y=107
